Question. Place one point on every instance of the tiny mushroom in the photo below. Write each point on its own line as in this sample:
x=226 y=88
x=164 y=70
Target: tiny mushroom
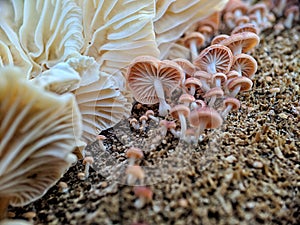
x=292 y=14
x=143 y=119
x=214 y=59
x=100 y=139
x=239 y=84
x=186 y=99
x=241 y=42
x=261 y=11
x=134 y=173
x=150 y=79
x=192 y=84
x=205 y=79
x=150 y=114
x=230 y=104
x=188 y=68
x=245 y=65
x=182 y=112
x=236 y=7
x=134 y=153
x=205 y=118
x=247 y=27
x=213 y=94
x=134 y=123
x=194 y=40
x=144 y=195
x=217 y=39
x=87 y=161
x=219 y=79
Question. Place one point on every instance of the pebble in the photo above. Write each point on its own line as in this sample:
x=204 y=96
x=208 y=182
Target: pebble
x=257 y=164
x=231 y=159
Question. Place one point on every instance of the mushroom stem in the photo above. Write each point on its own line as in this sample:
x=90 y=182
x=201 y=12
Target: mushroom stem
x=140 y=202
x=200 y=130
x=226 y=111
x=182 y=124
x=192 y=90
x=193 y=49
x=163 y=105
x=212 y=101
x=236 y=90
x=218 y=82
x=289 y=20
x=4 y=202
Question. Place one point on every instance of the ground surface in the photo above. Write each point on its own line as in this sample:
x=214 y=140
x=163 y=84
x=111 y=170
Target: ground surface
x=247 y=172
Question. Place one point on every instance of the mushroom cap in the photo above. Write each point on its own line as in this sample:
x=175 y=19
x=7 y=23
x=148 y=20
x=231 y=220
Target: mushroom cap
x=145 y=70
x=136 y=171
x=179 y=109
x=232 y=74
x=217 y=56
x=212 y=21
x=232 y=101
x=134 y=152
x=245 y=64
x=143 y=118
x=133 y=120
x=192 y=81
x=216 y=91
x=144 y=192
x=221 y=76
x=207 y=115
x=39 y=130
x=149 y=113
x=217 y=39
x=262 y=7
x=186 y=98
x=292 y=9
x=88 y=159
x=101 y=137
x=244 y=82
x=187 y=67
x=203 y=75
x=242 y=20
x=245 y=40
x=234 y=5
x=196 y=36
x=247 y=27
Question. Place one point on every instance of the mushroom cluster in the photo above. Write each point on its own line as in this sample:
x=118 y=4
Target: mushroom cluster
x=216 y=69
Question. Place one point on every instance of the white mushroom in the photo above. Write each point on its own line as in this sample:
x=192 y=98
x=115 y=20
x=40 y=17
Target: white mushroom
x=38 y=132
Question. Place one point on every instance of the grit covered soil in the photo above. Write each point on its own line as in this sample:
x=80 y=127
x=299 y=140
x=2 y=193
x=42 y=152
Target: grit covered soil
x=246 y=172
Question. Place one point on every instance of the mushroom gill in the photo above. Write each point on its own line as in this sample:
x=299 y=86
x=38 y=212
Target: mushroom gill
x=38 y=132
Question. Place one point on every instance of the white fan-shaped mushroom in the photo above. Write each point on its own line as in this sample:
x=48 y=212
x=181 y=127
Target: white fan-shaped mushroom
x=101 y=105
x=38 y=132
x=117 y=31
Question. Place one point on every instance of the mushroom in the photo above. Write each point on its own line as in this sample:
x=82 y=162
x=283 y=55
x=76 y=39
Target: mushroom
x=292 y=14
x=134 y=153
x=230 y=104
x=205 y=79
x=194 y=40
x=102 y=105
x=204 y=118
x=144 y=195
x=217 y=39
x=39 y=130
x=150 y=79
x=239 y=84
x=186 y=99
x=87 y=161
x=213 y=94
x=247 y=27
x=134 y=123
x=143 y=119
x=219 y=79
x=181 y=112
x=168 y=125
x=241 y=42
x=187 y=67
x=260 y=10
x=192 y=84
x=214 y=59
x=245 y=65
x=100 y=139
x=134 y=173
x=150 y=114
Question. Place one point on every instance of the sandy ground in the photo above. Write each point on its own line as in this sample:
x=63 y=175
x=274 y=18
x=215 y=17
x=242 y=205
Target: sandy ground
x=246 y=172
